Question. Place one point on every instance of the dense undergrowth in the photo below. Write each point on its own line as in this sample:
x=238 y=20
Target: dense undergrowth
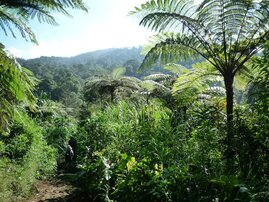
x=25 y=157
x=131 y=152
x=142 y=150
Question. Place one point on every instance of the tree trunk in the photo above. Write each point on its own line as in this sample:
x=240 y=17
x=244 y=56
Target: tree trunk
x=229 y=154
x=112 y=94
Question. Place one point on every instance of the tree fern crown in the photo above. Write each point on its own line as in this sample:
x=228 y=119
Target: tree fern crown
x=225 y=32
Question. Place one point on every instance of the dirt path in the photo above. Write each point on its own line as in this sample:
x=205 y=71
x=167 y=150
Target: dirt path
x=58 y=190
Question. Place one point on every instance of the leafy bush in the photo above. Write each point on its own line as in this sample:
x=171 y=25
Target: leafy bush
x=25 y=156
x=130 y=152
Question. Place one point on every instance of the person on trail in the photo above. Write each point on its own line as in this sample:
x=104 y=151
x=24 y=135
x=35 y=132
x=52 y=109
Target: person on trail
x=73 y=143
x=69 y=154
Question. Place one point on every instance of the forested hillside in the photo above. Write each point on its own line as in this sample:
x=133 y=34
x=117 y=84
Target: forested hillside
x=107 y=58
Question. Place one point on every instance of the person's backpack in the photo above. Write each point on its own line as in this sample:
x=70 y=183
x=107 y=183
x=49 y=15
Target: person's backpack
x=69 y=154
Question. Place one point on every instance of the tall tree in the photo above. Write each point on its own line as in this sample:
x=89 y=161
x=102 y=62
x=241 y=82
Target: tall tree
x=227 y=33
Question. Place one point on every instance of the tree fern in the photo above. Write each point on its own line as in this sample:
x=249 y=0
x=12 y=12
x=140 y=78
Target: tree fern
x=227 y=33
x=108 y=84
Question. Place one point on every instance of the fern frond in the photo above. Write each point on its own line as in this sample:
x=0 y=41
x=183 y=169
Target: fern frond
x=176 y=69
x=118 y=72
x=16 y=86
x=171 y=47
x=158 y=77
x=17 y=13
x=227 y=33
x=153 y=85
x=130 y=82
x=194 y=81
x=9 y=19
x=215 y=91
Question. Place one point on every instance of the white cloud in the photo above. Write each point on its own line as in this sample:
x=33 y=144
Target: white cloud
x=101 y=38
x=15 y=52
x=65 y=47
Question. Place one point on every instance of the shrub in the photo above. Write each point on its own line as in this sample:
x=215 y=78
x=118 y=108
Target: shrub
x=25 y=157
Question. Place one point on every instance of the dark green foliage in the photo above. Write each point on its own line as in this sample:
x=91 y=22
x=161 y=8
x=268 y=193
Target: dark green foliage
x=25 y=155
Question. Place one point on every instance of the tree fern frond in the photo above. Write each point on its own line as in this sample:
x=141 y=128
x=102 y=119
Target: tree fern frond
x=158 y=77
x=172 y=47
x=195 y=79
x=216 y=91
x=118 y=72
x=162 y=6
x=111 y=84
x=16 y=86
x=7 y=19
x=130 y=82
x=19 y=12
x=152 y=86
x=176 y=69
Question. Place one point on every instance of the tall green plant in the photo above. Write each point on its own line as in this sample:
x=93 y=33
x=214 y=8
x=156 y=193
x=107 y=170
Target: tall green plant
x=227 y=33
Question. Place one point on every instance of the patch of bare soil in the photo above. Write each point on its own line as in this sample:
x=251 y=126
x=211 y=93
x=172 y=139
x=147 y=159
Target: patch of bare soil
x=58 y=190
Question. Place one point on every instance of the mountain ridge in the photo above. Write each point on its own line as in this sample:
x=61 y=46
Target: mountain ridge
x=114 y=55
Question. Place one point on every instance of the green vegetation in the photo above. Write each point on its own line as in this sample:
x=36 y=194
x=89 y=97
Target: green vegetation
x=195 y=131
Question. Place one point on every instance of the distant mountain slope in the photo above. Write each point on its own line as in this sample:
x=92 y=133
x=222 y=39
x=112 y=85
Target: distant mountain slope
x=110 y=57
x=93 y=63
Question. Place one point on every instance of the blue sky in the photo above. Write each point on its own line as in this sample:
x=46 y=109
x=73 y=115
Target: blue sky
x=106 y=25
